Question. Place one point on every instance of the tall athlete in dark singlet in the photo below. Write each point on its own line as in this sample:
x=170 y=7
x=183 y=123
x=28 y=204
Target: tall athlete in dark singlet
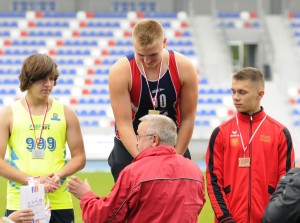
x=152 y=80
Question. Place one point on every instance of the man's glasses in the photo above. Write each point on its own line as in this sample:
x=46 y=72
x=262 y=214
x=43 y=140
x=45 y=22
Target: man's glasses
x=138 y=137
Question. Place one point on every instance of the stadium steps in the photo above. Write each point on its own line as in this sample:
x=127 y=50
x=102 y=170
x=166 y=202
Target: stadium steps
x=215 y=56
x=286 y=60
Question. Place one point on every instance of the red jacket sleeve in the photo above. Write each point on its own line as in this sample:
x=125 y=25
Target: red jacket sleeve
x=286 y=153
x=214 y=177
x=105 y=209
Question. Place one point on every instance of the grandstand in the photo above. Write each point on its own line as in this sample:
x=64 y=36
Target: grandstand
x=87 y=37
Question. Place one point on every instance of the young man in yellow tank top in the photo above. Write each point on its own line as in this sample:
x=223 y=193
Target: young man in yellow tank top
x=35 y=131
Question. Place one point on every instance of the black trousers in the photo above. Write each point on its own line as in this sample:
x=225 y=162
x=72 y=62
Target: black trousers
x=119 y=158
x=57 y=216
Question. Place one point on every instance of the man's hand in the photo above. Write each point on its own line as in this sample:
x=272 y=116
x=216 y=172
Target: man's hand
x=51 y=182
x=77 y=187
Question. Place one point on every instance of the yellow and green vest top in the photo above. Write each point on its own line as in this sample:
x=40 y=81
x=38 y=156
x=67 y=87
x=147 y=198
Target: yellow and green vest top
x=53 y=142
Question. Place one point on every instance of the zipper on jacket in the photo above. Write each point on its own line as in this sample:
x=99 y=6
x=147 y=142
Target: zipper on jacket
x=250 y=155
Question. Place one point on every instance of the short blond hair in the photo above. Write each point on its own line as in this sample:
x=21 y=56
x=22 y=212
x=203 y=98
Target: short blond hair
x=250 y=73
x=147 y=33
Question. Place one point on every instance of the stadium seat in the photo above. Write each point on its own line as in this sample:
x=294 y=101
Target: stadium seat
x=84 y=45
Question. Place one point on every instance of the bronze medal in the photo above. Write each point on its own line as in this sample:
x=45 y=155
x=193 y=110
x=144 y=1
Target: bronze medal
x=244 y=162
x=153 y=112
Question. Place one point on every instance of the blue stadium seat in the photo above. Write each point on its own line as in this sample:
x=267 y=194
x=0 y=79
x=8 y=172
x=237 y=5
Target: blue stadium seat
x=11 y=62
x=80 y=43
x=94 y=91
x=12 y=14
x=226 y=15
x=102 y=113
x=67 y=71
x=256 y=24
x=109 y=61
x=203 y=81
x=67 y=92
x=10 y=71
x=180 y=43
x=110 y=15
x=10 y=81
x=100 y=81
x=187 y=52
x=297 y=123
x=104 y=101
x=5 y=33
x=102 y=71
x=161 y=15
x=43 y=33
x=56 y=92
x=10 y=92
x=96 y=34
x=54 y=24
x=65 y=81
x=60 y=15
x=107 y=24
x=93 y=101
x=124 y=43
x=186 y=33
x=18 y=52
x=9 y=24
x=70 y=62
x=200 y=123
x=82 y=101
x=73 y=52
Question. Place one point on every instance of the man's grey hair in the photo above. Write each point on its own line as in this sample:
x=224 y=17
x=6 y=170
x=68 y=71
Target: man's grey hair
x=162 y=126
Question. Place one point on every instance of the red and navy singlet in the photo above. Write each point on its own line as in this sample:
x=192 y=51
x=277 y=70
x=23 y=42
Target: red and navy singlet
x=167 y=97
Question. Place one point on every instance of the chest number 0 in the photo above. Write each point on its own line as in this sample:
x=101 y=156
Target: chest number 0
x=162 y=101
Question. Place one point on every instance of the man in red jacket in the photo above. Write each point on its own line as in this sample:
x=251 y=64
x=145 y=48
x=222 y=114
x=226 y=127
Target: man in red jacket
x=159 y=186
x=246 y=155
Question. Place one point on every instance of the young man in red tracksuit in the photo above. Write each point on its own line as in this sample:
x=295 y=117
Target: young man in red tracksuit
x=158 y=186
x=246 y=155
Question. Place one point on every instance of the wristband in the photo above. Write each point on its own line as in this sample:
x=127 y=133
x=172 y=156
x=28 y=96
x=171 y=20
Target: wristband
x=33 y=181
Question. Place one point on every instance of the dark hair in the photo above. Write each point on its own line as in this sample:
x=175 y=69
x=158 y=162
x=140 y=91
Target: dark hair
x=37 y=67
x=250 y=73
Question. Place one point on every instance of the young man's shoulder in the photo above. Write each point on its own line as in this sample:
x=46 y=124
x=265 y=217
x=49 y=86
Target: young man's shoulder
x=180 y=58
x=6 y=110
x=121 y=66
x=275 y=122
x=227 y=123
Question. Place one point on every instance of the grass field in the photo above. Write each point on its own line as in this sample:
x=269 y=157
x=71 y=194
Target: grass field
x=101 y=183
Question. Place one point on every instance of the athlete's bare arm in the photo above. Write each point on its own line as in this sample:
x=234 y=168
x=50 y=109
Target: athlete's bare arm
x=188 y=101
x=6 y=170
x=119 y=87
x=75 y=144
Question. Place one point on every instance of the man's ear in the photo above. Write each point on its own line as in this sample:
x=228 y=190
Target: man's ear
x=261 y=94
x=155 y=140
x=165 y=42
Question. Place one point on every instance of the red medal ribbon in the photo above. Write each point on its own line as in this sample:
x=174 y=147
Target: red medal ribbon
x=153 y=99
x=37 y=140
